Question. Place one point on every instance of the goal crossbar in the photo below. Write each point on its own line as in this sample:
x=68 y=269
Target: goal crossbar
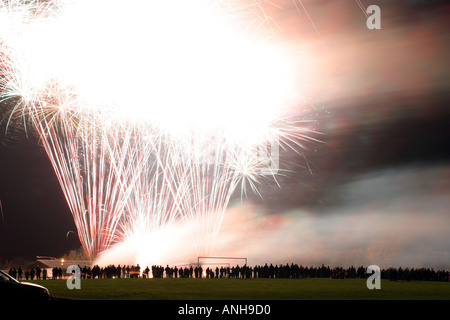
x=221 y=258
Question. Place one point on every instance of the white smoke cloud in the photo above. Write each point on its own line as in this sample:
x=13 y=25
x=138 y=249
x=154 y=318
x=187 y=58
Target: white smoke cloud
x=388 y=218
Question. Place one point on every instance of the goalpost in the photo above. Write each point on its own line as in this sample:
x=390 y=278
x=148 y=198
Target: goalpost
x=220 y=262
x=217 y=261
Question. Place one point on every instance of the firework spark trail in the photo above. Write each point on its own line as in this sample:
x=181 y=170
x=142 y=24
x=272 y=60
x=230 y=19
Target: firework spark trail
x=361 y=6
x=90 y=184
x=307 y=14
x=1 y=211
x=152 y=202
x=211 y=187
x=141 y=137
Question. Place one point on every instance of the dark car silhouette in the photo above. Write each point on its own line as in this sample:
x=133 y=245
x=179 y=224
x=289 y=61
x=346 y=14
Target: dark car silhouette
x=10 y=289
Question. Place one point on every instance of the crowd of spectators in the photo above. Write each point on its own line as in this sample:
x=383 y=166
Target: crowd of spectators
x=37 y=273
x=292 y=271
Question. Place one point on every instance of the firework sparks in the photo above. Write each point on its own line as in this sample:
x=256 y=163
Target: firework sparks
x=151 y=112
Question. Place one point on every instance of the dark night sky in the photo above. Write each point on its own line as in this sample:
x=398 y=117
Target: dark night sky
x=35 y=215
x=387 y=109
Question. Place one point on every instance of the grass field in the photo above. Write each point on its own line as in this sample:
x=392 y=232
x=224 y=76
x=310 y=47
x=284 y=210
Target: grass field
x=247 y=289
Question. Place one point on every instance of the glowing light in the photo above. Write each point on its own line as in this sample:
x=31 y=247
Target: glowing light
x=151 y=112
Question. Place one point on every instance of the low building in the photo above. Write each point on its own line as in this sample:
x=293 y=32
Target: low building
x=62 y=264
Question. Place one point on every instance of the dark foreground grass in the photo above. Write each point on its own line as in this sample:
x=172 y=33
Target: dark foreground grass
x=247 y=289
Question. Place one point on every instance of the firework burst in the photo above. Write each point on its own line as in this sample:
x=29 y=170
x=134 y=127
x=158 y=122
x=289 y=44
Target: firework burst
x=151 y=112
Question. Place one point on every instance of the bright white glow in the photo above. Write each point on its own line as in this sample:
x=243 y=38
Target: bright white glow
x=178 y=64
x=151 y=112
x=147 y=247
